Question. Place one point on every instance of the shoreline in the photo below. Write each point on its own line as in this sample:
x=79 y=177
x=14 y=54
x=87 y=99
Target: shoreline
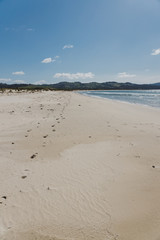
x=77 y=167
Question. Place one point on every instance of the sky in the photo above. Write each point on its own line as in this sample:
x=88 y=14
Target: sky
x=49 y=41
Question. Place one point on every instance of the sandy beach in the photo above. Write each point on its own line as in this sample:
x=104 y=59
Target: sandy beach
x=74 y=167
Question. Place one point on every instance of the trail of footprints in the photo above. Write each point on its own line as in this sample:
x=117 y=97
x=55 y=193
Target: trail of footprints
x=60 y=107
x=50 y=115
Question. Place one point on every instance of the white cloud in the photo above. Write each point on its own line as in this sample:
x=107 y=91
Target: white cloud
x=40 y=82
x=57 y=57
x=18 y=73
x=48 y=60
x=5 y=80
x=125 y=75
x=19 y=81
x=74 y=75
x=68 y=46
x=155 y=52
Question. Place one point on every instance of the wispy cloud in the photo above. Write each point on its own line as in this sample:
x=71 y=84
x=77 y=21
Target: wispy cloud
x=7 y=29
x=74 y=75
x=48 y=60
x=9 y=80
x=68 y=46
x=18 y=73
x=13 y=29
x=19 y=81
x=30 y=29
x=19 y=28
x=155 y=52
x=40 y=82
x=125 y=75
x=5 y=80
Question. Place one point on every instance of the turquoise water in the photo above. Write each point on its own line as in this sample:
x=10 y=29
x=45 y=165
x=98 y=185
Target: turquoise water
x=145 y=97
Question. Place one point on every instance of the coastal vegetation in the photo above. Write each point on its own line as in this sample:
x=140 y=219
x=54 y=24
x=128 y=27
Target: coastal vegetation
x=70 y=86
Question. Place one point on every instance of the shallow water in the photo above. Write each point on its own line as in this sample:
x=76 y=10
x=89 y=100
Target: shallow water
x=145 y=97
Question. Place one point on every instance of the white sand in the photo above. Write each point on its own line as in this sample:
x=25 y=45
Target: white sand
x=90 y=175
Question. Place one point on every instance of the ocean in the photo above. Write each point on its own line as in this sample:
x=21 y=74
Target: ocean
x=146 y=97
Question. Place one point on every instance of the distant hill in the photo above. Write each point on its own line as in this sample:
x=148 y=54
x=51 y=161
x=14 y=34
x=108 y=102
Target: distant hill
x=70 y=86
x=157 y=84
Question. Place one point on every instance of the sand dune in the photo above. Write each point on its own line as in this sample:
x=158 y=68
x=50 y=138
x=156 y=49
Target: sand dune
x=74 y=167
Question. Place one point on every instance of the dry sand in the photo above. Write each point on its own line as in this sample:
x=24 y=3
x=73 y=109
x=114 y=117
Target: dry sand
x=78 y=168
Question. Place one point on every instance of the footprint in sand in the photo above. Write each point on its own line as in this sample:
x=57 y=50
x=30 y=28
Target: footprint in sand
x=23 y=177
x=45 y=136
x=34 y=155
x=131 y=144
x=4 y=197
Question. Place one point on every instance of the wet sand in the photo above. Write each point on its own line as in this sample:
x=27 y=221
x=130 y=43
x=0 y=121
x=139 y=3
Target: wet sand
x=75 y=167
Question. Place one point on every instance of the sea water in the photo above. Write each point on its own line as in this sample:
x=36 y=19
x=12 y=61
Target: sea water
x=145 y=97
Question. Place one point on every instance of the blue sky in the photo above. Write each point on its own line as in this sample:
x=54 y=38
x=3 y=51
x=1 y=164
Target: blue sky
x=48 y=41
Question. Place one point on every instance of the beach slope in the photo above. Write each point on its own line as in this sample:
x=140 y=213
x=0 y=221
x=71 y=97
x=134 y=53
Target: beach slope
x=76 y=167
